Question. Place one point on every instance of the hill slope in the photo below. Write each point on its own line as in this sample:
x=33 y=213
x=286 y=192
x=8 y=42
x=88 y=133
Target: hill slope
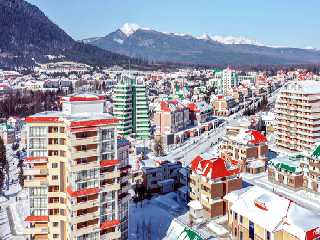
x=26 y=33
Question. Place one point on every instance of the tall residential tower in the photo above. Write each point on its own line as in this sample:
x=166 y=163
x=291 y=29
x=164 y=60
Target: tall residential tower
x=77 y=187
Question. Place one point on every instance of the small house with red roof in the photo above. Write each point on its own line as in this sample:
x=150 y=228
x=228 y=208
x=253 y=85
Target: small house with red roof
x=210 y=180
x=248 y=147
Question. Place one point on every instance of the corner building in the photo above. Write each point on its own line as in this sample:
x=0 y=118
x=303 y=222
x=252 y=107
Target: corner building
x=73 y=175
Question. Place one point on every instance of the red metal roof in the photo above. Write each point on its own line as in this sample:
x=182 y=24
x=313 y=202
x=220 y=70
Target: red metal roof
x=214 y=168
x=257 y=137
x=83 y=192
x=37 y=218
x=193 y=107
x=36 y=159
x=41 y=119
x=91 y=123
x=109 y=224
x=108 y=163
x=81 y=99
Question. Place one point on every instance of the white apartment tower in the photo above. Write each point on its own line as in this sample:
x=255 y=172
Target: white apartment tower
x=298 y=115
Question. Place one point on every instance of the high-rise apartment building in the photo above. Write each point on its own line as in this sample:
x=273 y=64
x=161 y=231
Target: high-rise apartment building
x=298 y=115
x=226 y=80
x=131 y=108
x=77 y=188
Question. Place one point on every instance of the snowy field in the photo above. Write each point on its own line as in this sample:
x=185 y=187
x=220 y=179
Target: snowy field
x=154 y=217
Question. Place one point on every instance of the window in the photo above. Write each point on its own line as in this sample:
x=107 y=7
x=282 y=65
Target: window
x=241 y=219
x=241 y=235
x=37 y=143
x=37 y=131
x=55 y=224
x=268 y=235
x=235 y=216
x=55 y=235
x=54 y=165
x=55 y=177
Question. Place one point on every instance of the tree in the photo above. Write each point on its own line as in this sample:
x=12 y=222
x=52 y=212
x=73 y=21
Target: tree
x=4 y=167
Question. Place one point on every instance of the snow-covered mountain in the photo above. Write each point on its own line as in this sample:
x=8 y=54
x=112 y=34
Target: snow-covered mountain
x=135 y=41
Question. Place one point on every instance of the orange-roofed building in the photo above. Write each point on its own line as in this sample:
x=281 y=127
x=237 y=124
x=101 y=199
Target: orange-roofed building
x=210 y=180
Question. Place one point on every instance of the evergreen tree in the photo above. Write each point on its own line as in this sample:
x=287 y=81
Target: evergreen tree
x=4 y=167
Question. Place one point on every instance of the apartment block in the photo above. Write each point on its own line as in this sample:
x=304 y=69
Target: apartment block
x=171 y=117
x=161 y=178
x=248 y=147
x=131 y=107
x=210 y=180
x=298 y=116
x=256 y=213
x=223 y=105
x=73 y=175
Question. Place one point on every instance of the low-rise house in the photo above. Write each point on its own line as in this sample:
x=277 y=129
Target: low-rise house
x=210 y=180
x=224 y=105
x=200 y=112
x=163 y=177
x=286 y=171
x=256 y=213
x=7 y=133
x=248 y=147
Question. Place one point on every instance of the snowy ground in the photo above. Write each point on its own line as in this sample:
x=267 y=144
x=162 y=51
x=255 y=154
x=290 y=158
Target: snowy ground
x=13 y=203
x=156 y=214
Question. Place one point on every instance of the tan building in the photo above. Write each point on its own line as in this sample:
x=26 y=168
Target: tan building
x=248 y=147
x=210 y=180
x=298 y=115
x=171 y=117
x=77 y=187
x=255 y=213
x=224 y=105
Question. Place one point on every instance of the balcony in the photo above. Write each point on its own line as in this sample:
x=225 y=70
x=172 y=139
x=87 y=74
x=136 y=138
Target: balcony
x=86 y=230
x=83 y=141
x=84 y=166
x=35 y=171
x=84 y=154
x=84 y=205
x=111 y=235
x=36 y=230
x=35 y=183
x=109 y=175
x=110 y=187
x=85 y=217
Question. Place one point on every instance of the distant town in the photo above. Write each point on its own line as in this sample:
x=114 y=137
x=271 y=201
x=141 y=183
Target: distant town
x=196 y=154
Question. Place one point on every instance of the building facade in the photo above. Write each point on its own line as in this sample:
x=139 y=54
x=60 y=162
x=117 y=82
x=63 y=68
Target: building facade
x=298 y=115
x=73 y=175
x=248 y=147
x=131 y=107
x=210 y=180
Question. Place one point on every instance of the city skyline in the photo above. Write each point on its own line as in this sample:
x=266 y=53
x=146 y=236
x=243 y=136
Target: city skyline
x=283 y=25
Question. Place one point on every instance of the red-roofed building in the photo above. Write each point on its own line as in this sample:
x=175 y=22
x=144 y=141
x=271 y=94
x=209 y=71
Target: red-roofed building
x=210 y=180
x=248 y=147
x=171 y=117
x=73 y=162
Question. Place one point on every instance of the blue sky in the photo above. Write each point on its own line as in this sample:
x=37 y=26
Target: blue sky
x=292 y=23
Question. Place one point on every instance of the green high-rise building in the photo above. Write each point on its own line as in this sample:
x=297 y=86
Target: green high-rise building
x=131 y=108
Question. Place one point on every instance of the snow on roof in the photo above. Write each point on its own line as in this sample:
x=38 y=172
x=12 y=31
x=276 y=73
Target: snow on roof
x=300 y=220
x=201 y=106
x=195 y=204
x=256 y=164
x=246 y=136
x=213 y=167
x=171 y=106
x=258 y=204
x=304 y=87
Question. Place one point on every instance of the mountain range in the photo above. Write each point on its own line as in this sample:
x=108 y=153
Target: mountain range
x=28 y=36
x=134 y=41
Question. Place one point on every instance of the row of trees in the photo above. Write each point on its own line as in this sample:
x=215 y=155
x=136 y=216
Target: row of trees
x=4 y=165
x=24 y=103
